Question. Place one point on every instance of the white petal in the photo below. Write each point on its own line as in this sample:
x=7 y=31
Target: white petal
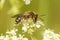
x=25 y=39
x=20 y=37
x=41 y=23
x=14 y=38
x=48 y=35
x=24 y=29
x=38 y=25
x=27 y=2
x=1 y=37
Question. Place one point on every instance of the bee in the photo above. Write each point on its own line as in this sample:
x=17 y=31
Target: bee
x=26 y=16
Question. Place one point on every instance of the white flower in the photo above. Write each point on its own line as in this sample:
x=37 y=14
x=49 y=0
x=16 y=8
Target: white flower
x=27 y=2
x=6 y=37
x=30 y=31
x=25 y=38
x=24 y=28
x=50 y=35
x=40 y=22
x=8 y=32
x=14 y=38
x=12 y=32
x=1 y=37
x=38 y=25
x=20 y=37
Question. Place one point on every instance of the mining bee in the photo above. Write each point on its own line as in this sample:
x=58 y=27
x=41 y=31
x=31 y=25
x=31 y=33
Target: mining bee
x=25 y=16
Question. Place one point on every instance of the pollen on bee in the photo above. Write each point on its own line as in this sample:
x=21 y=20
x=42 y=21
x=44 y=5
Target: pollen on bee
x=18 y=18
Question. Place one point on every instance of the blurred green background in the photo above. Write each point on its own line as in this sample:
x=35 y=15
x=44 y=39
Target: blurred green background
x=49 y=8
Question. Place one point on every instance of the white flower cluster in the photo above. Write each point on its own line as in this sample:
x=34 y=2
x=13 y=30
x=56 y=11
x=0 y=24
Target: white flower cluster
x=27 y=2
x=30 y=27
x=50 y=35
x=11 y=35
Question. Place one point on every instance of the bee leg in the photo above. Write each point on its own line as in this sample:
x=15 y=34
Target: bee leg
x=35 y=18
x=17 y=20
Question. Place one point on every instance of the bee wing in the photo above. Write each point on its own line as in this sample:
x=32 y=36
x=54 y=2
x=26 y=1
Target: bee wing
x=42 y=15
x=16 y=15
